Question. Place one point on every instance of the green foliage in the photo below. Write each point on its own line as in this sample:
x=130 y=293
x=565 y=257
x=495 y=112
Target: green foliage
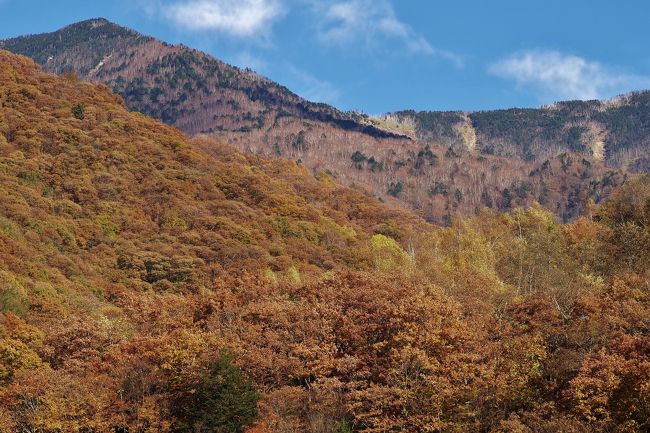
x=358 y=157
x=451 y=153
x=172 y=221
x=13 y=296
x=395 y=188
x=345 y=427
x=300 y=141
x=438 y=188
x=95 y=35
x=527 y=132
x=506 y=199
x=438 y=127
x=79 y=111
x=425 y=155
x=521 y=188
x=375 y=165
x=222 y=401
x=108 y=227
x=300 y=229
x=574 y=138
x=293 y=275
x=29 y=177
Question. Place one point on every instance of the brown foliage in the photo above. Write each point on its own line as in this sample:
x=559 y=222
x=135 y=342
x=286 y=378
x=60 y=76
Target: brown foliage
x=130 y=258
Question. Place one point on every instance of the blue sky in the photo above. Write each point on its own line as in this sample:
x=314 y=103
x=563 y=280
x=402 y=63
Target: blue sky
x=385 y=55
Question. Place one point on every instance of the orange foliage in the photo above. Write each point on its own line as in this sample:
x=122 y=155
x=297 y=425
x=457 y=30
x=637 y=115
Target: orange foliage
x=130 y=258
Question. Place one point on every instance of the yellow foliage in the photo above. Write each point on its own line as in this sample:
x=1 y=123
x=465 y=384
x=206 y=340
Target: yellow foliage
x=293 y=275
x=388 y=255
x=16 y=356
x=434 y=337
x=108 y=227
x=16 y=328
x=172 y=221
x=270 y=276
x=13 y=296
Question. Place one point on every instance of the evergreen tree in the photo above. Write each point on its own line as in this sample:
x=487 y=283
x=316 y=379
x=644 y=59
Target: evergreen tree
x=223 y=401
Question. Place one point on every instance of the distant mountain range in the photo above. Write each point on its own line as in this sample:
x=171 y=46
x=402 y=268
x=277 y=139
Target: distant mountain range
x=615 y=131
x=437 y=163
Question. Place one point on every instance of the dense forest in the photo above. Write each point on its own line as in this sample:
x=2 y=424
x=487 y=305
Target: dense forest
x=150 y=282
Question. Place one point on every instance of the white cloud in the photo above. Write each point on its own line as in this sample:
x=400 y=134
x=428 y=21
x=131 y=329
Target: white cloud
x=370 y=21
x=562 y=76
x=241 y=18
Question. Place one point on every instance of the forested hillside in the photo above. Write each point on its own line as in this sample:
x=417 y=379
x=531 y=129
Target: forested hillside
x=438 y=164
x=614 y=131
x=180 y=86
x=149 y=285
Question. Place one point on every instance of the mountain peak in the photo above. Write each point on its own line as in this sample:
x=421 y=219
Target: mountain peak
x=99 y=26
x=95 y=35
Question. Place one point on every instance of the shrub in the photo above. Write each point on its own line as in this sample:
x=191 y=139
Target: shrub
x=438 y=188
x=388 y=255
x=358 y=157
x=222 y=401
x=12 y=295
x=300 y=141
x=395 y=188
x=79 y=111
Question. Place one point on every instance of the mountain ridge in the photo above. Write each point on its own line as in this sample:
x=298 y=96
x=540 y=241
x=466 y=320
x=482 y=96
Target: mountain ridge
x=51 y=44
x=614 y=130
x=437 y=164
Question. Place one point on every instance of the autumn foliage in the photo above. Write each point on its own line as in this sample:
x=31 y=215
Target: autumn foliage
x=155 y=283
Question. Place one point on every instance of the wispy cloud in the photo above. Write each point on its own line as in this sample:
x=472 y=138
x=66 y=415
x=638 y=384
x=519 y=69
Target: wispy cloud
x=371 y=22
x=555 y=75
x=239 y=18
x=247 y=60
x=312 y=88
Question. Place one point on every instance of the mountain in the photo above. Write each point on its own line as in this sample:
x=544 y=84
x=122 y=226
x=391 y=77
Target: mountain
x=86 y=158
x=615 y=131
x=156 y=283
x=178 y=85
x=437 y=164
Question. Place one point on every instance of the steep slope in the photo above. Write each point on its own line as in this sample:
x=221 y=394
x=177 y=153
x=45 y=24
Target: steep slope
x=147 y=286
x=178 y=85
x=443 y=168
x=88 y=159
